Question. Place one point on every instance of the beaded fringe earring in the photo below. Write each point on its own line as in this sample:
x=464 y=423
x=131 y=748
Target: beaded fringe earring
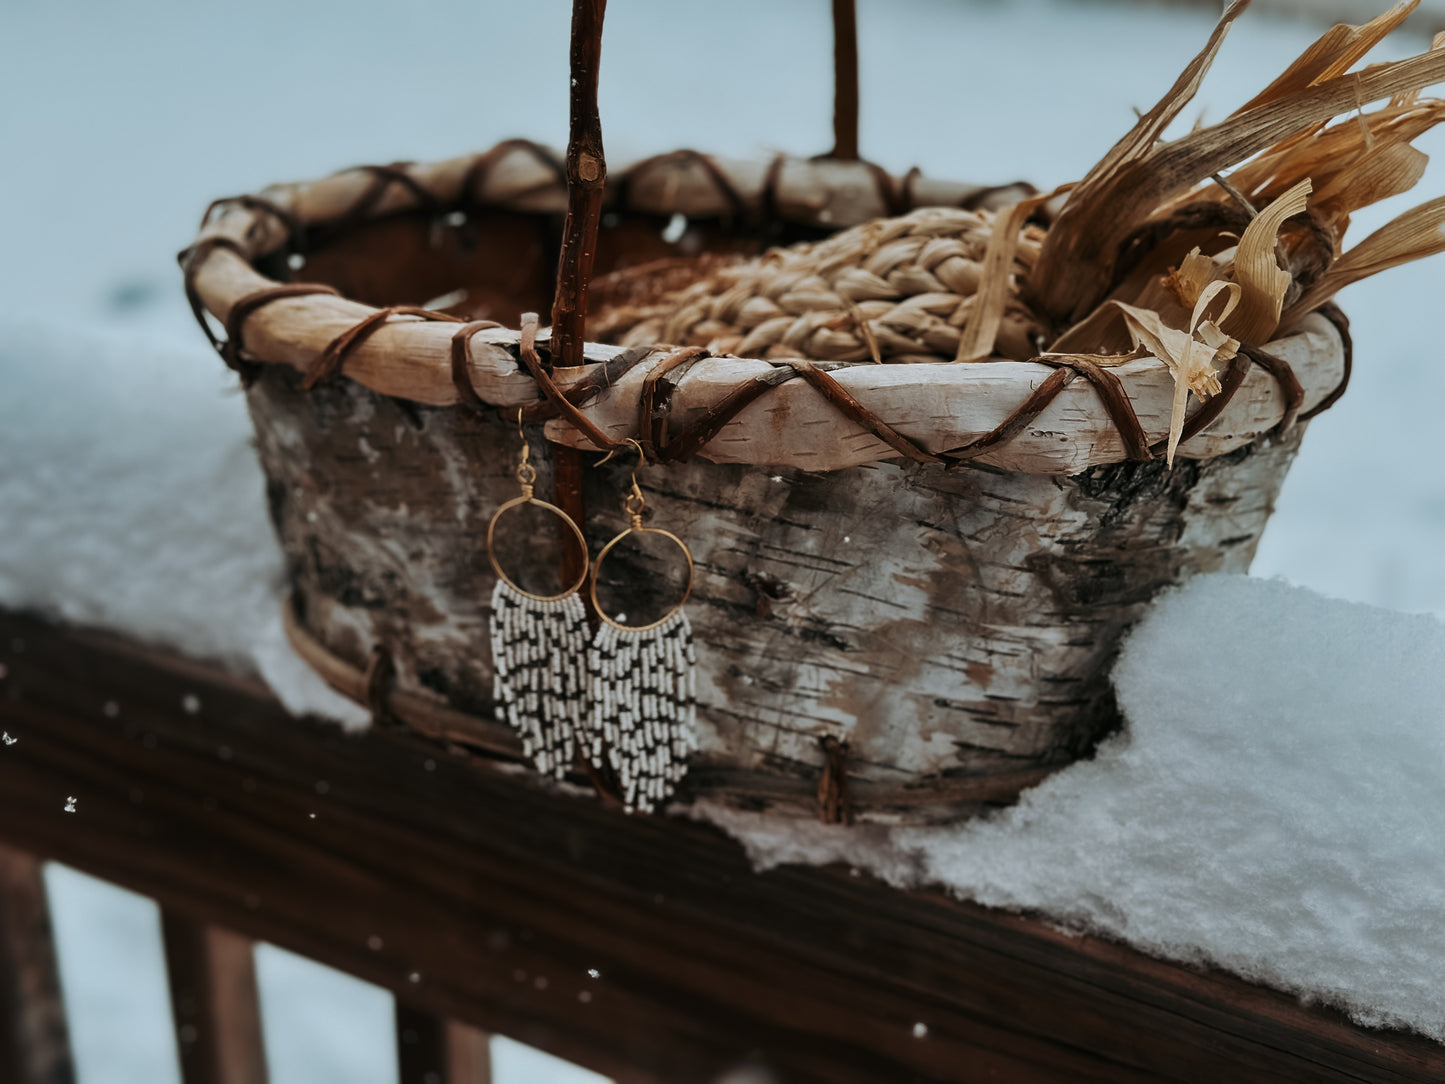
x=539 y=645
x=643 y=687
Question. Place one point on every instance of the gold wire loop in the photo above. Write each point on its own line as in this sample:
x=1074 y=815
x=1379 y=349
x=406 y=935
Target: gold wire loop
x=517 y=502
x=597 y=572
x=526 y=476
x=634 y=503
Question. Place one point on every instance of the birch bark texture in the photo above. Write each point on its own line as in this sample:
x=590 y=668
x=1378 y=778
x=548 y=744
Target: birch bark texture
x=955 y=627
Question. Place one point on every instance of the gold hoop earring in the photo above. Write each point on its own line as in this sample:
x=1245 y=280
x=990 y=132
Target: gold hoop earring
x=539 y=646
x=643 y=686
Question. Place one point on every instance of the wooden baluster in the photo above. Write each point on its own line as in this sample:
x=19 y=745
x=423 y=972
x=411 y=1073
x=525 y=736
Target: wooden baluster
x=433 y=1050
x=34 y=1041
x=214 y=1002
x=469 y=1054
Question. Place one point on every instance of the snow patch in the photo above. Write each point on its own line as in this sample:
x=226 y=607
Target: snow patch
x=132 y=501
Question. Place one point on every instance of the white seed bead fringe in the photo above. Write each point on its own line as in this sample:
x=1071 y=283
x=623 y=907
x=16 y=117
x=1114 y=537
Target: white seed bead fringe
x=538 y=655
x=643 y=693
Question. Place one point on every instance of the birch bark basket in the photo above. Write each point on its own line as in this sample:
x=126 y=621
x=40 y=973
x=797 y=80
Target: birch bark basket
x=954 y=627
x=895 y=641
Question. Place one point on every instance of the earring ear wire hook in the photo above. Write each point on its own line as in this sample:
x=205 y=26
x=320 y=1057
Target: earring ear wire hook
x=635 y=500
x=522 y=433
x=641 y=455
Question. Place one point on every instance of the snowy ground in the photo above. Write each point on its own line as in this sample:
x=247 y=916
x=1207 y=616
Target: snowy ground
x=129 y=498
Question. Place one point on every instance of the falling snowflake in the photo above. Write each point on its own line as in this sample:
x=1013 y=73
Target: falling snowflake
x=70 y=804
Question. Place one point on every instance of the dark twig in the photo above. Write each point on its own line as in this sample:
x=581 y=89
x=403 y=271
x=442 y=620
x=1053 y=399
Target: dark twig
x=845 y=81
x=586 y=176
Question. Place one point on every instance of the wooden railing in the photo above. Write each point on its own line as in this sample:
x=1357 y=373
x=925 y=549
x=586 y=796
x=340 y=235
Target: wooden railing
x=644 y=948
x=34 y=1047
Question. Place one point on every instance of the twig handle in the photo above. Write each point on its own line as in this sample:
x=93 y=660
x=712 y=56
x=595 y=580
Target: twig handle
x=586 y=176
x=845 y=81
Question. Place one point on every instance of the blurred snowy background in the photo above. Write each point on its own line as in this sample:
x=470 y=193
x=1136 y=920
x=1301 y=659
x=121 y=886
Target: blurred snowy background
x=119 y=123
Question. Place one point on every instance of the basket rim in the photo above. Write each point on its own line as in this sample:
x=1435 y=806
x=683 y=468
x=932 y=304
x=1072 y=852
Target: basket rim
x=1010 y=415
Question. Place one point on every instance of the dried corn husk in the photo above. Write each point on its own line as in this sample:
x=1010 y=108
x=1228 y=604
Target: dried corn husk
x=1261 y=280
x=1189 y=352
x=1141 y=178
x=986 y=317
x=1340 y=49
